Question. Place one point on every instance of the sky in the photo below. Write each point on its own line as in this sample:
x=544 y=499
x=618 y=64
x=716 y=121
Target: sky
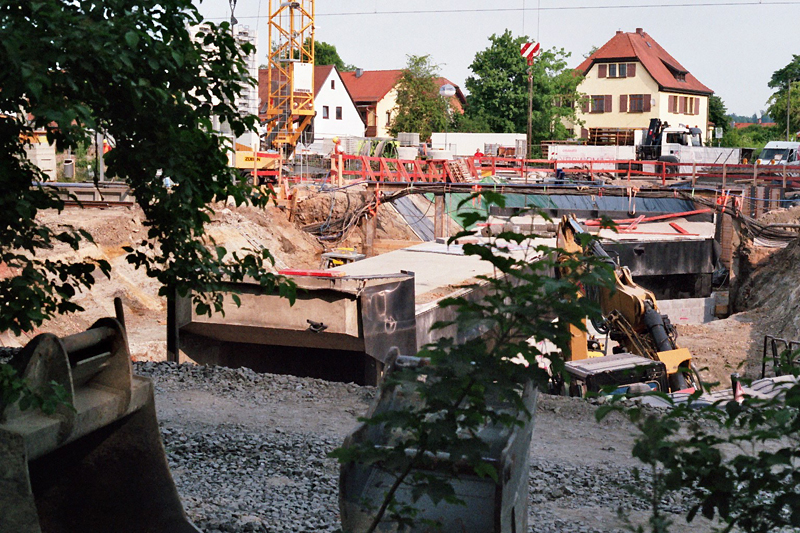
x=732 y=46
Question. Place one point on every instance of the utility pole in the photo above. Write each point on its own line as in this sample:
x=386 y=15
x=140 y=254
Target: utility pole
x=788 y=107
x=530 y=111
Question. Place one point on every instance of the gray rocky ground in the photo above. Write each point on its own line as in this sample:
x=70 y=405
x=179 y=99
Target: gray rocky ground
x=249 y=451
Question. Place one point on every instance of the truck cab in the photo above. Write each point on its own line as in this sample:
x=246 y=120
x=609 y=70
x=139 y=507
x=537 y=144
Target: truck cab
x=663 y=142
x=780 y=153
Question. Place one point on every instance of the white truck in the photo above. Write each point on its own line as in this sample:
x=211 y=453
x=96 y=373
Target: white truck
x=659 y=143
x=780 y=153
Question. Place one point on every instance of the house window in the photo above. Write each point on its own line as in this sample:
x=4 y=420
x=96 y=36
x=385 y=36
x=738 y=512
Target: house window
x=325 y=112
x=338 y=113
x=636 y=103
x=333 y=84
x=601 y=103
x=617 y=70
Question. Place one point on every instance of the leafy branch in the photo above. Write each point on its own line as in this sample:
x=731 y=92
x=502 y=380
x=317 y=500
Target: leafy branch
x=438 y=410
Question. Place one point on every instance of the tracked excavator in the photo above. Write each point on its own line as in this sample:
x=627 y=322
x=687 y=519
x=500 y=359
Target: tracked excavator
x=631 y=317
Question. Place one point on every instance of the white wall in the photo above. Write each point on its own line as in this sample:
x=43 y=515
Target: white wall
x=350 y=124
x=465 y=144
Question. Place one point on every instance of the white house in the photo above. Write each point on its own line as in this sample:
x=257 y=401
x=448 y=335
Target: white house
x=337 y=115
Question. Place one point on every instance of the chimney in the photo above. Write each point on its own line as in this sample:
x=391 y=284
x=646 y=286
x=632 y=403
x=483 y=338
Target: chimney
x=359 y=72
x=640 y=31
x=619 y=31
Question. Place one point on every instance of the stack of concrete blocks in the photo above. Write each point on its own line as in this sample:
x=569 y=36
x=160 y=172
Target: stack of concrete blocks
x=43 y=155
x=689 y=310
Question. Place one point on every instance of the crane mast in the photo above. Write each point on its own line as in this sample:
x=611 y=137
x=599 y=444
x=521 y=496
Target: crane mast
x=290 y=104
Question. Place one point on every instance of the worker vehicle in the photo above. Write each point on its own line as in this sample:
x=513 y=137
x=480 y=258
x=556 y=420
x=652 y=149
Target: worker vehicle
x=780 y=153
x=631 y=318
x=681 y=144
x=679 y=147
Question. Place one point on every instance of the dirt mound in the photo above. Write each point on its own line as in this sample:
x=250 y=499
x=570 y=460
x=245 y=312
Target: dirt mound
x=789 y=215
x=774 y=288
x=325 y=207
x=236 y=228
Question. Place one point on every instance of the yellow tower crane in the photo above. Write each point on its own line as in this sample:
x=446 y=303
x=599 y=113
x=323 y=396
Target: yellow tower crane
x=290 y=105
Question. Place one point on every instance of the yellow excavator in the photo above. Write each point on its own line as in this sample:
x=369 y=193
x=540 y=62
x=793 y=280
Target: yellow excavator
x=631 y=316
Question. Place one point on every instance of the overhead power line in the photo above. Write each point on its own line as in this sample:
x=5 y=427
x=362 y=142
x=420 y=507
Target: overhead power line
x=553 y=8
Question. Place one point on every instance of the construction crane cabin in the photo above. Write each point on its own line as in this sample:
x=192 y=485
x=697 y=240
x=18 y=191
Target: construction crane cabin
x=290 y=102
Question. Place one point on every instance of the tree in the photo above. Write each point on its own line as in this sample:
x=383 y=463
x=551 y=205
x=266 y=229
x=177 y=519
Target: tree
x=420 y=109
x=717 y=113
x=326 y=54
x=499 y=89
x=131 y=69
x=787 y=81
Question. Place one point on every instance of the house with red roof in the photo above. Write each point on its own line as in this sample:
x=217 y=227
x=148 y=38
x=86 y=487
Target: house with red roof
x=375 y=95
x=630 y=80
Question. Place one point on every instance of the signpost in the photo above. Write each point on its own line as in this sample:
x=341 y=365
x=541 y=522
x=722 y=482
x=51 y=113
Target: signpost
x=447 y=91
x=530 y=51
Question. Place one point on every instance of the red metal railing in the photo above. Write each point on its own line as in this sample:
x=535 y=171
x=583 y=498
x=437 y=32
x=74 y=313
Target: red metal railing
x=380 y=169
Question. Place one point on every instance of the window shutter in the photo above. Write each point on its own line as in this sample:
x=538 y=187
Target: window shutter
x=646 y=103
x=601 y=71
x=671 y=106
x=584 y=133
x=696 y=106
x=585 y=108
x=607 y=105
x=623 y=103
x=683 y=105
x=631 y=70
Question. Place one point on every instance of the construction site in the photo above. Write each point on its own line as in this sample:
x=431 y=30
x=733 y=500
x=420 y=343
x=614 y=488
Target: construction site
x=185 y=421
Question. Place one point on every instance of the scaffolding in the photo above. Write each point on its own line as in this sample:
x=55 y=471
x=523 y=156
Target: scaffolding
x=290 y=103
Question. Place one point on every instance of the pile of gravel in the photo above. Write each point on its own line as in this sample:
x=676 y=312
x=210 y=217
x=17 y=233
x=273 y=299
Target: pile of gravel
x=235 y=479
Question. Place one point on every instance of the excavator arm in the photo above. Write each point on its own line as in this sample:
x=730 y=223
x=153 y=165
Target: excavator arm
x=631 y=314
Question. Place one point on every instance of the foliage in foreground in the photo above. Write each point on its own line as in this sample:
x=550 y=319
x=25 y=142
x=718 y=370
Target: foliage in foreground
x=130 y=69
x=737 y=463
x=464 y=378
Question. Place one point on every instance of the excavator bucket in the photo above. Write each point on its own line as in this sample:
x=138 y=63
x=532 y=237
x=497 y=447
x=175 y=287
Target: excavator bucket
x=98 y=466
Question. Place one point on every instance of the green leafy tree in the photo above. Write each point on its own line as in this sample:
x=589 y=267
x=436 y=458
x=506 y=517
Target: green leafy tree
x=786 y=80
x=326 y=54
x=419 y=109
x=463 y=381
x=131 y=69
x=499 y=89
x=755 y=137
x=717 y=112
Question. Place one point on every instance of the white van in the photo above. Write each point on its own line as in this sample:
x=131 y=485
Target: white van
x=780 y=153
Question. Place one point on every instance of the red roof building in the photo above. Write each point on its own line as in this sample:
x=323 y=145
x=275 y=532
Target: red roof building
x=631 y=79
x=375 y=95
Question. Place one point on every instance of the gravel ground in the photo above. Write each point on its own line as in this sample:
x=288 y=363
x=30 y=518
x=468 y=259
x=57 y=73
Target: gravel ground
x=249 y=451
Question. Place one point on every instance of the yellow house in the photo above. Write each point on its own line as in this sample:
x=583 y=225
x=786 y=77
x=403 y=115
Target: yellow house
x=375 y=95
x=630 y=80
